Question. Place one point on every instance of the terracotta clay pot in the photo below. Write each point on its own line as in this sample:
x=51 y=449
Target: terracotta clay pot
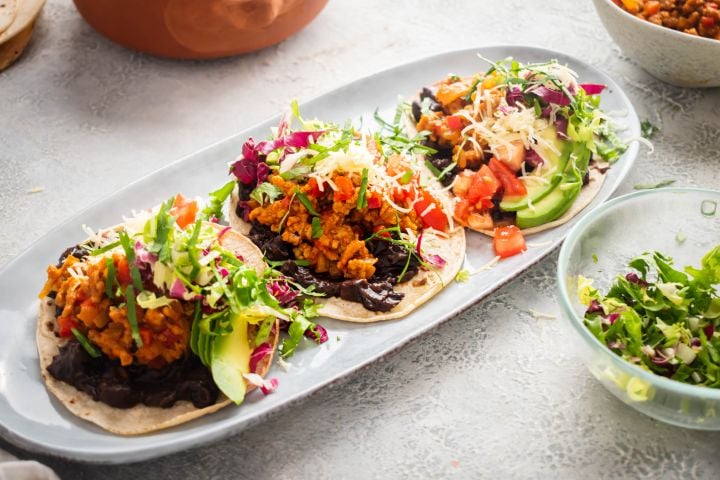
x=198 y=28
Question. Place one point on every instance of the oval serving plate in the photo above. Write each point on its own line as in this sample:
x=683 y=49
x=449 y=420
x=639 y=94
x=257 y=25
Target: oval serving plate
x=31 y=418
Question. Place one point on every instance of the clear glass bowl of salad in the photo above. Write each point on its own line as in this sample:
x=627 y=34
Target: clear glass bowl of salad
x=649 y=326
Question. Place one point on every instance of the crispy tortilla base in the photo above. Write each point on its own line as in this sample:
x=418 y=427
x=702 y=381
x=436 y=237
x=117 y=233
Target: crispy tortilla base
x=140 y=418
x=417 y=291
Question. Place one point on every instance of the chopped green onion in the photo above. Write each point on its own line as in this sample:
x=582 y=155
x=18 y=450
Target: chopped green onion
x=130 y=254
x=595 y=258
x=110 y=278
x=468 y=96
x=407 y=176
x=106 y=248
x=447 y=170
x=306 y=202
x=302 y=263
x=132 y=316
x=433 y=169
x=89 y=347
x=362 y=195
x=680 y=237
x=317 y=230
x=193 y=250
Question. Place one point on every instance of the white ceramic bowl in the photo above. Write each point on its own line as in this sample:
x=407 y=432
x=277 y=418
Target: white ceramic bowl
x=671 y=56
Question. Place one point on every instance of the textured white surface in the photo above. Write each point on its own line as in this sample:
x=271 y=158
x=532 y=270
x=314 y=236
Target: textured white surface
x=491 y=391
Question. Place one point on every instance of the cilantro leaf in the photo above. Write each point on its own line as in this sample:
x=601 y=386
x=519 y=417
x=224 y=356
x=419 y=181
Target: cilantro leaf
x=265 y=192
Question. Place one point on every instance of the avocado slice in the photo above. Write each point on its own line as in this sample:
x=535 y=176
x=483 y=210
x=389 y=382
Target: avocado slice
x=230 y=359
x=551 y=173
x=560 y=198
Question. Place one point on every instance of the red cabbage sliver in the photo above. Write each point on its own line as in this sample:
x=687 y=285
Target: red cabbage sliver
x=532 y=158
x=177 y=290
x=550 y=96
x=317 y=333
x=561 y=125
x=593 y=88
x=258 y=354
x=282 y=292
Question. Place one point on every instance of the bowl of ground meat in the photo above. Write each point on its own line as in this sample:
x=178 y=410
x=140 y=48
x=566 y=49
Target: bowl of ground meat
x=676 y=41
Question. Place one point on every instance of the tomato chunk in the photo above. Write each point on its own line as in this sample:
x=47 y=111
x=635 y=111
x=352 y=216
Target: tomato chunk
x=346 y=188
x=454 y=122
x=65 y=326
x=313 y=188
x=508 y=241
x=430 y=213
x=374 y=200
x=146 y=335
x=484 y=185
x=123 y=271
x=512 y=186
x=184 y=211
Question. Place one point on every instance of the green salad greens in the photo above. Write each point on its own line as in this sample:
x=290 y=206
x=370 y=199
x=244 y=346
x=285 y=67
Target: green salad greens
x=662 y=319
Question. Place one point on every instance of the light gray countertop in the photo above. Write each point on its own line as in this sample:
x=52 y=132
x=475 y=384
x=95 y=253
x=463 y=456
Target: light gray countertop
x=492 y=391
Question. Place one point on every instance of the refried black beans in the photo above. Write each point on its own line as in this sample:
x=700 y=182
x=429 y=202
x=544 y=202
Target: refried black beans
x=125 y=387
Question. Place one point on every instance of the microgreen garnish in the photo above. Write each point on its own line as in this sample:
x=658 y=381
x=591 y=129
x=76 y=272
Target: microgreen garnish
x=287 y=213
x=647 y=129
x=362 y=194
x=110 y=277
x=83 y=340
x=265 y=192
x=393 y=138
x=132 y=315
x=306 y=202
x=317 y=230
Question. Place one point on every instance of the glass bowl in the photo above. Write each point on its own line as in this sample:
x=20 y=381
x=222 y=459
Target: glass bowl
x=683 y=223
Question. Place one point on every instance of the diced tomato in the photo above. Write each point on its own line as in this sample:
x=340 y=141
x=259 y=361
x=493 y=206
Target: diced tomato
x=484 y=185
x=508 y=241
x=346 y=188
x=374 y=200
x=146 y=336
x=123 y=271
x=65 y=326
x=184 y=211
x=431 y=217
x=404 y=194
x=454 y=122
x=313 y=188
x=378 y=228
x=707 y=22
x=462 y=209
x=512 y=186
